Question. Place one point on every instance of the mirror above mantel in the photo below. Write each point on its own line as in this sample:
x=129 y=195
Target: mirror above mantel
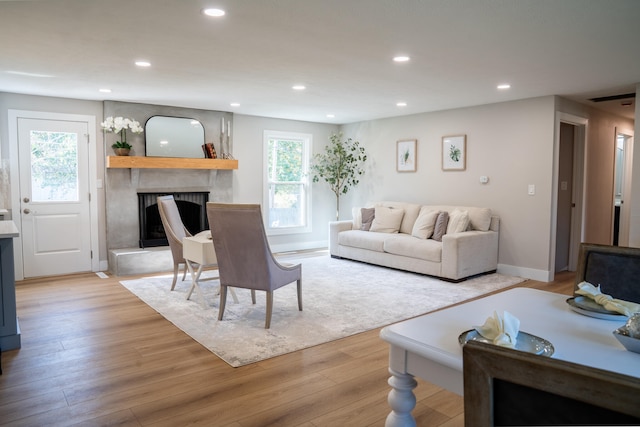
x=174 y=137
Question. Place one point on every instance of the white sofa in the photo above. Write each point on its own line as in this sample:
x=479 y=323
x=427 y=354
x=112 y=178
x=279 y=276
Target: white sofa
x=413 y=247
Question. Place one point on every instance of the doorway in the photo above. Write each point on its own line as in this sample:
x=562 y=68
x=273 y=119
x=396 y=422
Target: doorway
x=623 y=174
x=51 y=188
x=568 y=191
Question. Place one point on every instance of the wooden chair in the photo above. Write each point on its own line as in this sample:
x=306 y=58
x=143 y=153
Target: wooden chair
x=615 y=268
x=175 y=231
x=244 y=257
x=504 y=387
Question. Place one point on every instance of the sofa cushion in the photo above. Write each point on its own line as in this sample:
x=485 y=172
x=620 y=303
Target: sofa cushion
x=368 y=214
x=409 y=246
x=479 y=218
x=356 y=213
x=411 y=212
x=441 y=226
x=363 y=239
x=387 y=220
x=458 y=221
x=425 y=224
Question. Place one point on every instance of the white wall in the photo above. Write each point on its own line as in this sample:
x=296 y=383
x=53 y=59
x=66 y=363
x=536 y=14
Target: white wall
x=511 y=143
x=248 y=180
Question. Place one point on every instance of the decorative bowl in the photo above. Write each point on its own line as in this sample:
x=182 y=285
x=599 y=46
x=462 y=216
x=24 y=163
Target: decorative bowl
x=630 y=343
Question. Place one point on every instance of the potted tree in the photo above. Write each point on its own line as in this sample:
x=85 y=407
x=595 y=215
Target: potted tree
x=340 y=166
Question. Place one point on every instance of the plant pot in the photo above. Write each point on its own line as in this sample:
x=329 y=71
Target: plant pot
x=122 y=151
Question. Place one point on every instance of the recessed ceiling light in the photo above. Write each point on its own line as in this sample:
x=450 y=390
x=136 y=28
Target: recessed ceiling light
x=401 y=104
x=105 y=90
x=214 y=12
x=401 y=58
x=235 y=104
x=299 y=87
x=504 y=86
x=143 y=63
x=331 y=116
x=24 y=73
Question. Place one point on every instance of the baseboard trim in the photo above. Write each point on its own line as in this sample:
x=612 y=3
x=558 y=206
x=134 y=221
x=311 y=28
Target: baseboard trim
x=527 y=273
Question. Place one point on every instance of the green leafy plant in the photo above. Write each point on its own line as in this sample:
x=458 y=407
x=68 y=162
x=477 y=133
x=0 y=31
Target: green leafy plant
x=340 y=166
x=121 y=144
x=454 y=153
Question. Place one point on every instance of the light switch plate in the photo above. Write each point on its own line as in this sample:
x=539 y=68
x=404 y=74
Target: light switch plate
x=532 y=189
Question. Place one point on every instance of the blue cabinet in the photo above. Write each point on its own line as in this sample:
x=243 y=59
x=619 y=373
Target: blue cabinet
x=9 y=331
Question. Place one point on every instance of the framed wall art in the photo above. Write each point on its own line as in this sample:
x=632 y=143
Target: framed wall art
x=454 y=153
x=406 y=160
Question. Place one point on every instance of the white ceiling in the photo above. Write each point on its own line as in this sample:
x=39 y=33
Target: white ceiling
x=340 y=49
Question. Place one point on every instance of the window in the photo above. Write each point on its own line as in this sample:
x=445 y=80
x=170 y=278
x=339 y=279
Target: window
x=287 y=191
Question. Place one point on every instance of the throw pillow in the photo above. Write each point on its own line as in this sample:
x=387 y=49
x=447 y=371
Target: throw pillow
x=357 y=218
x=458 y=221
x=441 y=226
x=387 y=220
x=368 y=214
x=425 y=224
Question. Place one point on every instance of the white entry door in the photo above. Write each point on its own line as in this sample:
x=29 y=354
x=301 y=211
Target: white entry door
x=54 y=196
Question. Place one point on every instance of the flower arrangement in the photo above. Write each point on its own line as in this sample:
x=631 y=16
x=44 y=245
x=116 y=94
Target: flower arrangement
x=120 y=125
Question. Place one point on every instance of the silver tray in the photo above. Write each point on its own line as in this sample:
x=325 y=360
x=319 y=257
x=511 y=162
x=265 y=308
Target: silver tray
x=524 y=342
x=588 y=307
x=631 y=344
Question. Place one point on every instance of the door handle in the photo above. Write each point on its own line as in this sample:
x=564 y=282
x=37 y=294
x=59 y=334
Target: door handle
x=27 y=211
x=26 y=200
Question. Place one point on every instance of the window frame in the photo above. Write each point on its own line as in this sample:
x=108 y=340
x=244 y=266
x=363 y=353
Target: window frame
x=307 y=142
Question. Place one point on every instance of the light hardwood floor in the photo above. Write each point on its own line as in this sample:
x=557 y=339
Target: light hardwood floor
x=93 y=354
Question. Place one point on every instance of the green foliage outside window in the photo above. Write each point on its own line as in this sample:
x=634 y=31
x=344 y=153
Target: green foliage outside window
x=54 y=165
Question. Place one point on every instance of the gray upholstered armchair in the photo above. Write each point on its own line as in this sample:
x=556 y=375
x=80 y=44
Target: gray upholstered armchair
x=244 y=257
x=175 y=231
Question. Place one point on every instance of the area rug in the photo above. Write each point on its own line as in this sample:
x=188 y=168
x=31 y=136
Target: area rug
x=340 y=298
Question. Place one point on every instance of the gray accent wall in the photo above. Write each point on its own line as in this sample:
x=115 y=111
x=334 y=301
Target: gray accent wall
x=122 y=185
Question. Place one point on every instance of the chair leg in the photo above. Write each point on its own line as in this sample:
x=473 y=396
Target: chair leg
x=267 y=323
x=223 y=301
x=175 y=276
x=300 y=294
x=253 y=296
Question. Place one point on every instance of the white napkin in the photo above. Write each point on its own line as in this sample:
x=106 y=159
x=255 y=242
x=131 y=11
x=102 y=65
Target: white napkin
x=502 y=330
x=607 y=301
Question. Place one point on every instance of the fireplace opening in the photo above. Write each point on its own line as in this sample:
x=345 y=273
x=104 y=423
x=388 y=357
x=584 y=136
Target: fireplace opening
x=193 y=211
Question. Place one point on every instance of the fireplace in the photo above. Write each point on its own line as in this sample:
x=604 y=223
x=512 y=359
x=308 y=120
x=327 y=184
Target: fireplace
x=193 y=211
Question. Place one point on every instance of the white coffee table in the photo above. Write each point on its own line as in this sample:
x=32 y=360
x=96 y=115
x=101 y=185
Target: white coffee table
x=199 y=249
x=427 y=346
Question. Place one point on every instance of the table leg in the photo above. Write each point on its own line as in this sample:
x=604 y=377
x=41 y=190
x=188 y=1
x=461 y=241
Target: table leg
x=401 y=399
x=194 y=283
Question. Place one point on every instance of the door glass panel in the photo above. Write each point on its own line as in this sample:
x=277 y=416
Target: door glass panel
x=54 y=166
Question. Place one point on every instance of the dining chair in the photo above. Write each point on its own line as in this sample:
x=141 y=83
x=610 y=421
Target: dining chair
x=615 y=268
x=244 y=257
x=507 y=387
x=175 y=231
